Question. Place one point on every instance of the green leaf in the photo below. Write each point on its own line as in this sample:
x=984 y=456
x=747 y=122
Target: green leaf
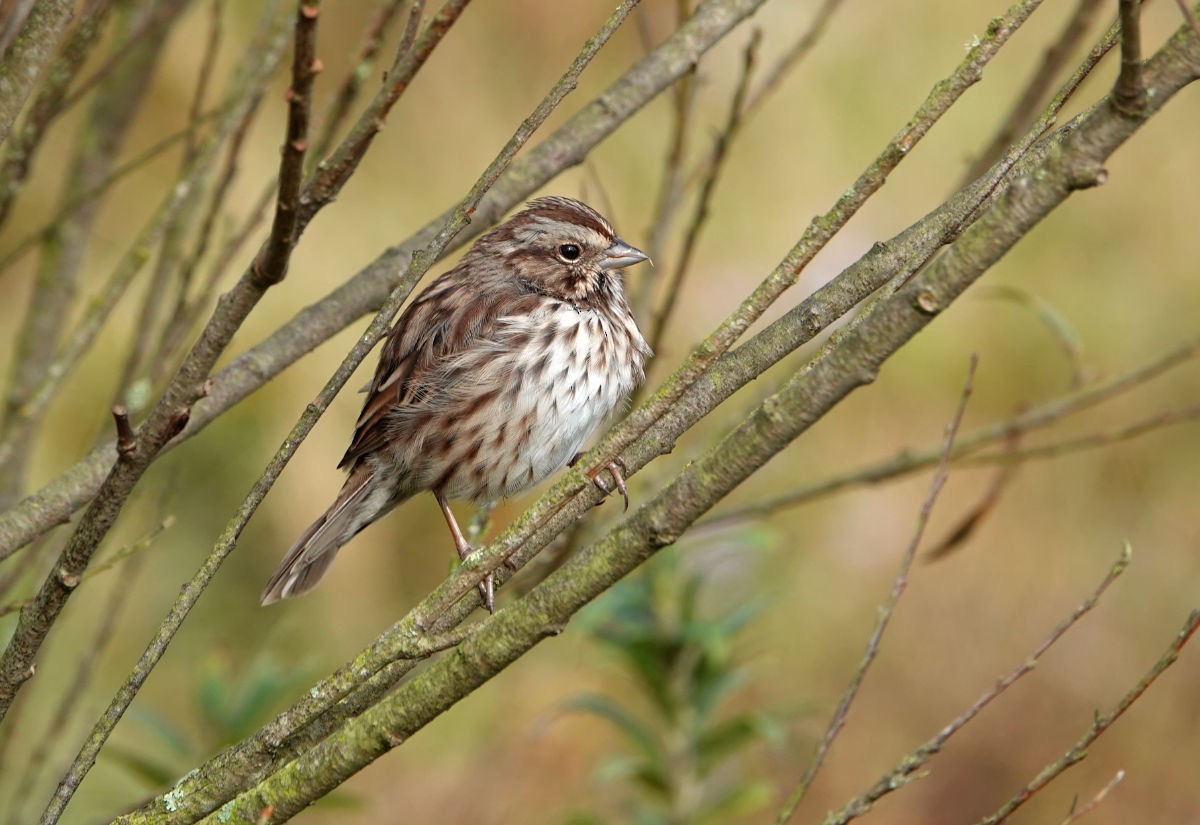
x=732 y=735
x=645 y=816
x=741 y=801
x=153 y=773
x=261 y=691
x=162 y=728
x=214 y=690
x=583 y=818
x=633 y=728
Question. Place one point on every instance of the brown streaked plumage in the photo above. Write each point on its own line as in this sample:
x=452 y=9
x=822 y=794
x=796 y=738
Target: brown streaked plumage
x=491 y=379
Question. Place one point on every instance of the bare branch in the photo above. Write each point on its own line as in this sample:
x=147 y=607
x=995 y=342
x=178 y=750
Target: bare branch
x=670 y=290
x=270 y=265
x=1101 y=723
x=49 y=103
x=899 y=584
x=1129 y=93
x=908 y=766
x=163 y=424
x=1026 y=107
x=969 y=443
x=126 y=440
x=38 y=367
x=1189 y=16
x=25 y=59
x=1101 y=795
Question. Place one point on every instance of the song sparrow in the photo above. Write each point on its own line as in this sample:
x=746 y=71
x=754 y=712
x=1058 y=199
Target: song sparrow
x=490 y=381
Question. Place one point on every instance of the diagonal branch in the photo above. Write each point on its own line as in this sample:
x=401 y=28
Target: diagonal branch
x=899 y=584
x=910 y=765
x=366 y=291
x=25 y=59
x=168 y=418
x=1101 y=723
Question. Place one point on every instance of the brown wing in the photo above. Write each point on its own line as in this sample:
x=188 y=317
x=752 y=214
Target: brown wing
x=449 y=317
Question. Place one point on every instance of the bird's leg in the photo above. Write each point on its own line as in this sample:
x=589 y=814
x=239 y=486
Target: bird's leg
x=616 y=467
x=487 y=587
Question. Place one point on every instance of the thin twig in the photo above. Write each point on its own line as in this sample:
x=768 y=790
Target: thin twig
x=270 y=265
x=1088 y=441
x=352 y=84
x=1079 y=813
x=899 y=584
x=969 y=523
x=22 y=144
x=716 y=162
x=79 y=201
x=76 y=686
x=163 y=424
x=126 y=440
x=1067 y=340
x=1023 y=111
x=1189 y=15
x=1100 y=723
x=778 y=72
x=670 y=187
x=1027 y=421
x=1129 y=92
x=909 y=765
x=106 y=564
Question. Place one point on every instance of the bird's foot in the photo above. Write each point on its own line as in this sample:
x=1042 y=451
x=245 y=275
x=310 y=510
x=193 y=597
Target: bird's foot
x=487 y=587
x=616 y=467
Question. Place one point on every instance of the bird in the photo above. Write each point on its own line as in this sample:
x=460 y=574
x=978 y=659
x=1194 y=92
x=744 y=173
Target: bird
x=492 y=379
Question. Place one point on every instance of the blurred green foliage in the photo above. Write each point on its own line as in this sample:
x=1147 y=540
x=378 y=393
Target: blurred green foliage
x=686 y=664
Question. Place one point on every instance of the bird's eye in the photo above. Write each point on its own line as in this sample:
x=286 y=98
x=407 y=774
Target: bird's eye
x=569 y=252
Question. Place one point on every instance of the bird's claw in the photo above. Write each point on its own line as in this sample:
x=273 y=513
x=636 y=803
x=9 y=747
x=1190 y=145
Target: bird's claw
x=616 y=467
x=487 y=587
x=487 y=592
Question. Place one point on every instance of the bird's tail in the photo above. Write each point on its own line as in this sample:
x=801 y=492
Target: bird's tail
x=311 y=555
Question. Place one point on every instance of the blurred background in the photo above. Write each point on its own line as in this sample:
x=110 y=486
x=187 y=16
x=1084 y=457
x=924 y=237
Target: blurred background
x=782 y=605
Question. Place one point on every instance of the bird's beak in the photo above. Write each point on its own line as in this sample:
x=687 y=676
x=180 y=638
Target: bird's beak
x=621 y=255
